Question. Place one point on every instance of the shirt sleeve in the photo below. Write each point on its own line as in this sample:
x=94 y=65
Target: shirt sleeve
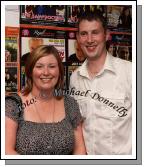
x=73 y=112
x=12 y=109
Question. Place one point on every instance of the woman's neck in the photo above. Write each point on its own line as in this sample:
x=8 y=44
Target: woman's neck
x=42 y=94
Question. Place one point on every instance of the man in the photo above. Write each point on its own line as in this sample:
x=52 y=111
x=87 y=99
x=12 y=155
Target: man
x=33 y=44
x=102 y=87
x=78 y=56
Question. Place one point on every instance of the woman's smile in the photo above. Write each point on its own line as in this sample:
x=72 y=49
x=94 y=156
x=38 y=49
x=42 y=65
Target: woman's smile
x=46 y=73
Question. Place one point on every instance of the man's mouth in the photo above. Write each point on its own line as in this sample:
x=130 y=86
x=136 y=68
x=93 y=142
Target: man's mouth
x=90 y=48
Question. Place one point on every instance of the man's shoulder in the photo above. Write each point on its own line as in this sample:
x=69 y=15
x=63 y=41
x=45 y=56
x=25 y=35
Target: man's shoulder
x=75 y=77
x=118 y=62
x=122 y=67
x=72 y=56
x=76 y=71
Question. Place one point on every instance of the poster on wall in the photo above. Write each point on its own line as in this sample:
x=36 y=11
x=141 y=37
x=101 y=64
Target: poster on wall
x=75 y=54
x=11 y=81
x=74 y=11
x=11 y=59
x=11 y=49
x=119 y=17
x=121 y=39
x=120 y=45
x=124 y=52
x=32 y=38
x=30 y=43
x=120 y=50
x=42 y=14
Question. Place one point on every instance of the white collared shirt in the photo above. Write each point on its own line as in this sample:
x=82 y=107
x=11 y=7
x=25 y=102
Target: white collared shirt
x=106 y=106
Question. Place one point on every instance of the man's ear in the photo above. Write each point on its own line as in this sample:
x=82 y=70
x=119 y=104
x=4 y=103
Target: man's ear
x=77 y=36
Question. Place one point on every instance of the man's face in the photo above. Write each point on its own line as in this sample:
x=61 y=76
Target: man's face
x=92 y=38
x=34 y=43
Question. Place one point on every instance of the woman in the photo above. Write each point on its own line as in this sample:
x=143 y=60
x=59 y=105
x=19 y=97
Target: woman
x=38 y=121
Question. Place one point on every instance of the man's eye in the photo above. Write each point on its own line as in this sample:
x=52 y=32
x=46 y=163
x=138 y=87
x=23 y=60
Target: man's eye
x=95 y=32
x=83 y=33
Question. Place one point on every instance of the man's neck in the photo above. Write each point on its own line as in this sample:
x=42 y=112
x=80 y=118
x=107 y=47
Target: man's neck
x=95 y=65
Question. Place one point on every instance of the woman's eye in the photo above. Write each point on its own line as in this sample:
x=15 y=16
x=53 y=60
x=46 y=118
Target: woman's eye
x=38 y=66
x=52 y=66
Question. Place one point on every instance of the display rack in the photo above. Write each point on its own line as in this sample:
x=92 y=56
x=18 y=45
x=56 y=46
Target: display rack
x=56 y=25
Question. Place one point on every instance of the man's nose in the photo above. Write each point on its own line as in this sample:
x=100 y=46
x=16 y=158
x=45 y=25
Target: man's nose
x=89 y=38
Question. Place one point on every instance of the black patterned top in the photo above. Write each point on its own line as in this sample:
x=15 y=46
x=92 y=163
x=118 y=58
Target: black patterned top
x=44 y=138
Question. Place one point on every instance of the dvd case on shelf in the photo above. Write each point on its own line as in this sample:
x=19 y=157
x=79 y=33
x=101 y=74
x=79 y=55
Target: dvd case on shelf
x=11 y=49
x=11 y=81
x=42 y=14
x=12 y=59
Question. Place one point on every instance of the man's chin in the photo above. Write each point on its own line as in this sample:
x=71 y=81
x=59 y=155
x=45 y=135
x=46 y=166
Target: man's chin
x=93 y=57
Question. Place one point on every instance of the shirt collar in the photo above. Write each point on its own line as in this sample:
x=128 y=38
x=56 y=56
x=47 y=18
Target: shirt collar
x=83 y=69
x=110 y=63
x=108 y=66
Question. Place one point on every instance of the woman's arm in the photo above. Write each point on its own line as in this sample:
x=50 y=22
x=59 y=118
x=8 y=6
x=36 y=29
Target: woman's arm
x=79 y=147
x=10 y=136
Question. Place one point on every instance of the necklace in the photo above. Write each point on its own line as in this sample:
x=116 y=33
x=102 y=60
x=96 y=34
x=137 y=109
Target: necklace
x=44 y=96
x=50 y=144
x=38 y=114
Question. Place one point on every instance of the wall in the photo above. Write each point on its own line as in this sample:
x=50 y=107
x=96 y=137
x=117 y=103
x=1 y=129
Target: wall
x=12 y=15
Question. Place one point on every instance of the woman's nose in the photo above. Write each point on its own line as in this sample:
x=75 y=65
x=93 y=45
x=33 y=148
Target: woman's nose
x=46 y=71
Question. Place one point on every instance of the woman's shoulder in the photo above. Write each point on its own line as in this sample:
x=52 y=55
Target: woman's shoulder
x=14 y=97
x=73 y=111
x=69 y=98
x=13 y=106
x=70 y=103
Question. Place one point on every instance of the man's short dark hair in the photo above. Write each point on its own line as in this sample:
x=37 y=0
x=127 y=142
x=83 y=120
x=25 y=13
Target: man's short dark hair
x=91 y=16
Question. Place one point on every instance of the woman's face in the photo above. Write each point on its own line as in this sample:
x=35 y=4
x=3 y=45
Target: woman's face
x=45 y=73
